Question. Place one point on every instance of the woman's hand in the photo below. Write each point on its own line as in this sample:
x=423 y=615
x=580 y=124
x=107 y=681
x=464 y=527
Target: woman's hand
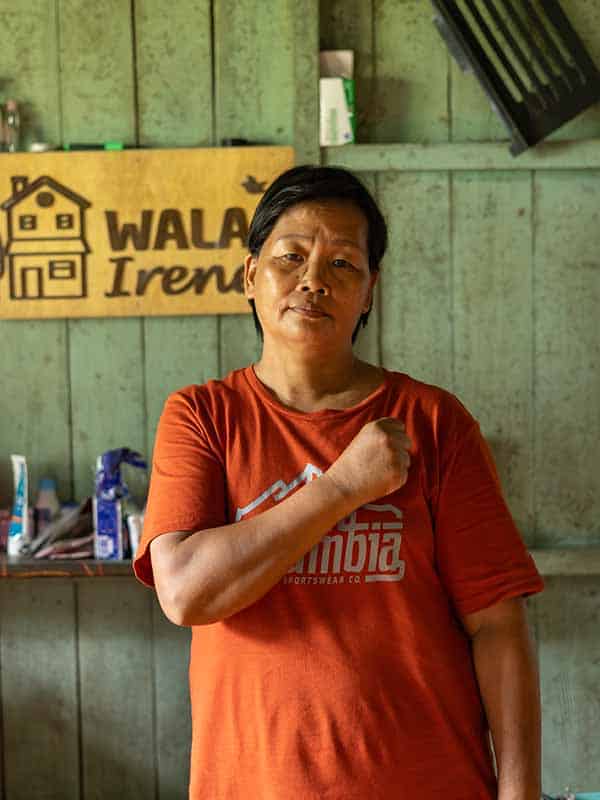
x=375 y=463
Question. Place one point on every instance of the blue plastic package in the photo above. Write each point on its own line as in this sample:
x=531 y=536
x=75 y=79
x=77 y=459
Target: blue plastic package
x=111 y=492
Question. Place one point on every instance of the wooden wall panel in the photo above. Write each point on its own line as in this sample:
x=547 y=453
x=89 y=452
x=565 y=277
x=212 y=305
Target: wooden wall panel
x=174 y=72
x=254 y=77
x=106 y=356
x=96 y=71
x=491 y=224
x=174 y=80
x=34 y=405
x=411 y=66
x=416 y=280
x=177 y=351
x=348 y=25
x=171 y=645
x=117 y=693
x=108 y=394
x=34 y=401
x=38 y=659
x=254 y=93
x=568 y=619
x=472 y=117
x=567 y=355
x=29 y=67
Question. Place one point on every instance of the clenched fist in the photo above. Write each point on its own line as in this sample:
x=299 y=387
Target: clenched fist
x=375 y=463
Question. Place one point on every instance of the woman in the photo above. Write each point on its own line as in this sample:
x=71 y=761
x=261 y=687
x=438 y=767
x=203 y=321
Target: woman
x=336 y=537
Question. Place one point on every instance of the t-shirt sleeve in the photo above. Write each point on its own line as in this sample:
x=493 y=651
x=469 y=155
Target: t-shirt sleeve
x=480 y=554
x=187 y=483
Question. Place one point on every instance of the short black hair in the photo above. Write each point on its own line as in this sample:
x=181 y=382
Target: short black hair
x=307 y=183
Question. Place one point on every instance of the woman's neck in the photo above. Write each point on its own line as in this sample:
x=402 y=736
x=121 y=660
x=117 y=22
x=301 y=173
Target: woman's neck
x=311 y=384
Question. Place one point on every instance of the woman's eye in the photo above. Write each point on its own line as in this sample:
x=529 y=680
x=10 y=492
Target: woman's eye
x=341 y=262
x=292 y=257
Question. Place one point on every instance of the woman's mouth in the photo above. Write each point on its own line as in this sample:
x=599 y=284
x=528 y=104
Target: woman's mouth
x=309 y=311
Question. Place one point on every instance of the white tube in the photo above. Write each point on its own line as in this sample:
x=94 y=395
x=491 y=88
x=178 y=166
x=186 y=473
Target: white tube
x=19 y=534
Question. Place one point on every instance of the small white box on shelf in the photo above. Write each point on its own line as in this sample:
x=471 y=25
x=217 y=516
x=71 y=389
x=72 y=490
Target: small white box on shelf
x=336 y=97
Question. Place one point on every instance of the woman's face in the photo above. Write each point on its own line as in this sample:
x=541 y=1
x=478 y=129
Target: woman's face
x=311 y=281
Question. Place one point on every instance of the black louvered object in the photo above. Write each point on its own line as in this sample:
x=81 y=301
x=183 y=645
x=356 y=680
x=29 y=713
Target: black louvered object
x=529 y=60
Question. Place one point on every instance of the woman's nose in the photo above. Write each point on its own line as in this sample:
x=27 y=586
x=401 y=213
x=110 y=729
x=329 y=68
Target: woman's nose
x=314 y=278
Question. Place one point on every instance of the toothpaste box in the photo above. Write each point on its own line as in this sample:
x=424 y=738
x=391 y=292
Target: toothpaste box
x=337 y=105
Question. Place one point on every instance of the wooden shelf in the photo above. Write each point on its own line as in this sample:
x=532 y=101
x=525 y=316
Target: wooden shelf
x=568 y=561
x=549 y=561
x=413 y=157
x=72 y=568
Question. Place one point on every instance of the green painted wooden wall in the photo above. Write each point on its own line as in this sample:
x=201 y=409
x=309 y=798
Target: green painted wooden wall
x=491 y=289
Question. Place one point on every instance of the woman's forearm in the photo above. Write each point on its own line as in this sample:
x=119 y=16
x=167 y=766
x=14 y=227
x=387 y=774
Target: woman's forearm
x=217 y=572
x=507 y=673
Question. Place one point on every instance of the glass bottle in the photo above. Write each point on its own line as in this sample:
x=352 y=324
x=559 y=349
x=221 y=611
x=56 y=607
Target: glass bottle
x=12 y=126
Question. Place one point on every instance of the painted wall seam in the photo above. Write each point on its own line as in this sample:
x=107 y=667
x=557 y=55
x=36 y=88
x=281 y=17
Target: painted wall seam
x=452 y=291
x=3 y=589
x=533 y=407
x=59 y=72
x=153 y=671
x=80 y=765
x=134 y=67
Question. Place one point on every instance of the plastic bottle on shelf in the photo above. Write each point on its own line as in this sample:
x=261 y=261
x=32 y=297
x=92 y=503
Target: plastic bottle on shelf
x=12 y=126
x=47 y=505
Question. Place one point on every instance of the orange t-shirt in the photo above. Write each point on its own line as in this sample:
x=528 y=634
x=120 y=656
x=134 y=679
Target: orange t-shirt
x=352 y=677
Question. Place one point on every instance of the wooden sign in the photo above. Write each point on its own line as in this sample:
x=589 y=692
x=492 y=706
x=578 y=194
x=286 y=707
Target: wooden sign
x=129 y=233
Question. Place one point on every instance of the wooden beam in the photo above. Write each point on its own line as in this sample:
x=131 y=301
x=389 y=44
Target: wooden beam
x=413 y=157
x=569 y=561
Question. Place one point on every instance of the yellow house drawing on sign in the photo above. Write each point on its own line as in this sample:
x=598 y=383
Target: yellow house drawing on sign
x=46 y=248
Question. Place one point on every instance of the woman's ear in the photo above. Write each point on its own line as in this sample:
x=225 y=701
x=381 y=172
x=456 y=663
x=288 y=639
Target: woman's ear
x=369 y=298
x=249 y=275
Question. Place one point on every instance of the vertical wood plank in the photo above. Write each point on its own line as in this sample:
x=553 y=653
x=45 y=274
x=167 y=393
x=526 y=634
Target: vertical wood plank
x=35 y=394
x=254 y=71
x=492 y=323
x=117 y=709
x=174 y=80
x=305 y=102
x=97 y=88
x=411 y=68
x=178 y=351
x=108 y=394
x=29 y=68
x=348 y=25
x=473 y=118
x=174 y=73
x=568 y=612
x=106 y=356
x=39 y=689
x=34 y=405
x=368 y=343
x=567 y=354
x=254 y=93
x=173 y=718
x=416 y=280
